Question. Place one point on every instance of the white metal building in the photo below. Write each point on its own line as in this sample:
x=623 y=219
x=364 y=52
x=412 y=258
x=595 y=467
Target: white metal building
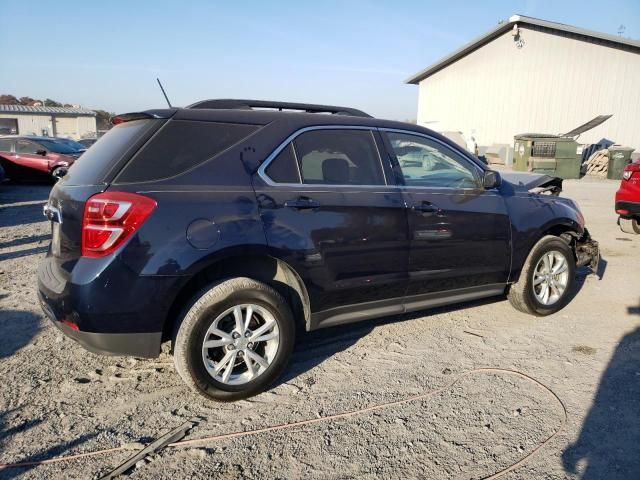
x=73 y=123
x=530 y=75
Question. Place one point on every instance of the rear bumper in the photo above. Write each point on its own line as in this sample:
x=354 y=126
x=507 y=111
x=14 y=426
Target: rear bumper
x=145 y=345
x=632 y=207
x=104 y=306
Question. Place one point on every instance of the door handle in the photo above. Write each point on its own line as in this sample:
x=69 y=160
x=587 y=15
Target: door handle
x=302 y=203
x=428 y=207
x=425 y=207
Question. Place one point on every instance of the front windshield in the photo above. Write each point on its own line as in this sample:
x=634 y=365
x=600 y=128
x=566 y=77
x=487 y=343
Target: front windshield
x=57 y=147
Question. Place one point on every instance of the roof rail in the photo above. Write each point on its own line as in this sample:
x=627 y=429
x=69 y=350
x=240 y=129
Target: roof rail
x=232 y=104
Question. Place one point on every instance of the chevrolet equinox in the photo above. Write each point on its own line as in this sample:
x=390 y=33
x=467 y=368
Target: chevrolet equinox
x=226 y=225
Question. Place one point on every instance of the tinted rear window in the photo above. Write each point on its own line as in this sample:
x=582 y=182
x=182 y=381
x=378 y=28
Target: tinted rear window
x=180 y=146
x=92 y=167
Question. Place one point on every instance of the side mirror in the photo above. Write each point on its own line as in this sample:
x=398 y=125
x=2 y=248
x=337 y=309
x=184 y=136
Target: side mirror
x=41 y=152
x=491 y=179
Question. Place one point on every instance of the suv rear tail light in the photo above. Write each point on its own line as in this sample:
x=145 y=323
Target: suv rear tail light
x=110 y=218
x=630 y=169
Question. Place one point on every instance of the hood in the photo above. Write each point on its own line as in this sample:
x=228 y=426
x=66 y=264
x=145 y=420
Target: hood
x=534 y=182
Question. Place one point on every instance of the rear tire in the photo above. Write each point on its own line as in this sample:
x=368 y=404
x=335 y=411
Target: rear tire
x=546 y=279
x=629 y=225
x=245 y=352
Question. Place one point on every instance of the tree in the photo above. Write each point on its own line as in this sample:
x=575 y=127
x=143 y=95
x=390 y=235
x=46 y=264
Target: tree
x=27 y=101
x=8 y=100
x=51 y=103
x=103 y=119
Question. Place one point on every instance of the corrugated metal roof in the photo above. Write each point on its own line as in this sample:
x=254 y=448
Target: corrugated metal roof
x=45 y=110
x=508 y=25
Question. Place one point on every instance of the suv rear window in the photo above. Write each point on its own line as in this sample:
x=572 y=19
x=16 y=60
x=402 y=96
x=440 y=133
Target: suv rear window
x=180 y=146
x=92 y=167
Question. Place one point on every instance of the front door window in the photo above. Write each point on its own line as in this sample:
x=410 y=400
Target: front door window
x=427 y=163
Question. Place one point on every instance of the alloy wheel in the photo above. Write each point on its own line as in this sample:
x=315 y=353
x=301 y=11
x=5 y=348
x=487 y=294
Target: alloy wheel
x=551 y=277
x=240 y=344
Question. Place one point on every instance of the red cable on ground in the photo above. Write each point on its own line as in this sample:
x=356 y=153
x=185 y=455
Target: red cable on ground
x=338 y=416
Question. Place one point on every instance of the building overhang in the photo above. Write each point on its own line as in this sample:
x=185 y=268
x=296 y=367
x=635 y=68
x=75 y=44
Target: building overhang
x=504 y=27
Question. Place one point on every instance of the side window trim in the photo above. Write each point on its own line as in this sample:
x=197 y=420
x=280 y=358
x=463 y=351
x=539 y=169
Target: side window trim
x=473 y=167
x=385 y=158
x=295 y=157
x=265 y=178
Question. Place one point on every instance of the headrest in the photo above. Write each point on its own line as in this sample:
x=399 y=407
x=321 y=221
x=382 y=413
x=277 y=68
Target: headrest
x=335 y=171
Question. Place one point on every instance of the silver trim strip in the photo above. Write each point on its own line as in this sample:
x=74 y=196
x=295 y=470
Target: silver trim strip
x=295 y=158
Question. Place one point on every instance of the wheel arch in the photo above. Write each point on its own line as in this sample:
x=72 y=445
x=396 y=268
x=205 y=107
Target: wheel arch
x=261 y=267
x=565 y=228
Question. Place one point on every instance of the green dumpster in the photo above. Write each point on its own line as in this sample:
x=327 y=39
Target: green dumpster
x=558 y=155
x=550 y=154
x=619 y=157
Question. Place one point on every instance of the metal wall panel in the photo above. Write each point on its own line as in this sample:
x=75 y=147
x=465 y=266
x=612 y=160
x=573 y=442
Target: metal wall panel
x=66 y=126
x=31 y=124
x=552 y=84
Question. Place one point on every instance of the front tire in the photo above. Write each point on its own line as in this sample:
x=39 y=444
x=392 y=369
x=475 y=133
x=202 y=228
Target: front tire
x=235 y=339
x=546 y=279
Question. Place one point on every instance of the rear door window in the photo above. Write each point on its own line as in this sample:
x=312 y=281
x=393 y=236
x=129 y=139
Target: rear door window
x=339 y=157
x=27 y=147
x=180 y=146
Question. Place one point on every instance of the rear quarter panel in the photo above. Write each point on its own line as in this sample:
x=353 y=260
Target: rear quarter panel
x=173 y=241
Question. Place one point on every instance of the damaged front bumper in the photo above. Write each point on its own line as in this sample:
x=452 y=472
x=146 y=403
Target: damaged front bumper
x=587 y=252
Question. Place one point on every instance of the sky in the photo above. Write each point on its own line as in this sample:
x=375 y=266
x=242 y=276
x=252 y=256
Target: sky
x=356 y=53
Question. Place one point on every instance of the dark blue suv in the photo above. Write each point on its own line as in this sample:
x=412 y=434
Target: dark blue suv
x=224 y=225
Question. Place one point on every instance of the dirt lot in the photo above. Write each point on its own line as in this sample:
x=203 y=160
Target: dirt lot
x=56 y=399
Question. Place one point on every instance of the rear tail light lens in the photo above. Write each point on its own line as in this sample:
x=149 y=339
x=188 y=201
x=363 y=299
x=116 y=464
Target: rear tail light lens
x=110 y=218
x=71 y=325
x=630 y=169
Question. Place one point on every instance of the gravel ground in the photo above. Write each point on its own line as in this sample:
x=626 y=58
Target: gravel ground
x=56 y=399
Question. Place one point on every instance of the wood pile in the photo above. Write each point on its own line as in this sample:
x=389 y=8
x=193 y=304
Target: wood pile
x=598 y=163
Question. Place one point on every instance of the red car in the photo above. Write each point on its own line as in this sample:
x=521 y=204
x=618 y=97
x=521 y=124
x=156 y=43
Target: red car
x=628 y=199
x=35 y=158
